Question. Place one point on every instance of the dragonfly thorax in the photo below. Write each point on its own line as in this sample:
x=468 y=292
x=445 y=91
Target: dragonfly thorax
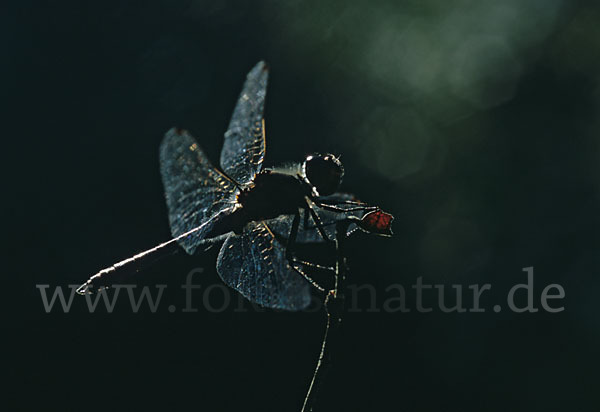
x=272 y=194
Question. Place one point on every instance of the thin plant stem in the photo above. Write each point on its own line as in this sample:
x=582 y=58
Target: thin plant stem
x=334 y=307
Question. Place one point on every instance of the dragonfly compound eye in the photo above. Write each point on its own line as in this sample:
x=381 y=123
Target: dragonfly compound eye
x=324 y=172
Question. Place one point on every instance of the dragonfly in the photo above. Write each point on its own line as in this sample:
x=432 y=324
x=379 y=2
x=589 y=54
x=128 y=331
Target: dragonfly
x=260 y=214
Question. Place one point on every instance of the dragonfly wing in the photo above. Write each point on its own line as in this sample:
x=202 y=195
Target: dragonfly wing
x=244 y=146
x=195 y=191
x=255 y=265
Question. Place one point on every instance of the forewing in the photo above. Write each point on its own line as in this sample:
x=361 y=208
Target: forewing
x=244 y=146
x=255 y=265
x=195 y=191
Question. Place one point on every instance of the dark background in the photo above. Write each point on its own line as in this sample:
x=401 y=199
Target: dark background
x=474 y=123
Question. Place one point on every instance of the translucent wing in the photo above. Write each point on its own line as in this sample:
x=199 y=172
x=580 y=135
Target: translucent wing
x=254 y=264
x=282 y=225
x=195 y=191
x=244 y=146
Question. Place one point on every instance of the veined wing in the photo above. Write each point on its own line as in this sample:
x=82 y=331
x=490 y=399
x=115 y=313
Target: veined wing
x=255 y=265
x=244 y=146
x=195 y=191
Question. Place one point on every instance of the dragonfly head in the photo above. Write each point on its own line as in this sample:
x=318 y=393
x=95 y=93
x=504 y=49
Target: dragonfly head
x=324 y=172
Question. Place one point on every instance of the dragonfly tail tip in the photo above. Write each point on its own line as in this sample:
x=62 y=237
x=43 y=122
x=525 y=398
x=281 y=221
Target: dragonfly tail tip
x=84 y=289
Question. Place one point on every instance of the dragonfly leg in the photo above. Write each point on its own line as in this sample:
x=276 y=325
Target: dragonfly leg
x=310 y=280
x=305 y=220
x=343 y=210
x=296 y=263
x=315 y=217
x=342 y=202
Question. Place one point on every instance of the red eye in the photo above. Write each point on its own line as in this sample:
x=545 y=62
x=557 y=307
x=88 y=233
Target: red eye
x=378 y=222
